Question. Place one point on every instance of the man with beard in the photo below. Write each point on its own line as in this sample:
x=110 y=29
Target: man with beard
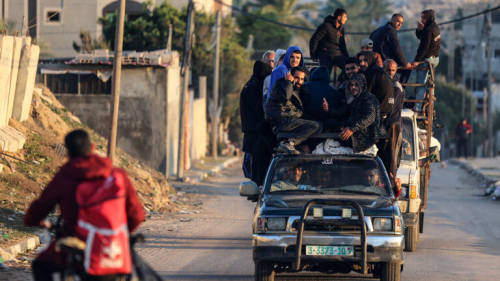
x=386 y=43
x=293 y=58
x=363 y=124
x=392 y=149
x=251 y=112
x=328 y=41
x=292 y=180
x=428 y=51
x=284 y=110
x=351 y=67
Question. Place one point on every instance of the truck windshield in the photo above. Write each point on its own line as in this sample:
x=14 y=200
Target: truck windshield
x=408 y=151
x=328 y=175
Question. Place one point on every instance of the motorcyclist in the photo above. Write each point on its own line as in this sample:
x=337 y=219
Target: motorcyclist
x=82 y=166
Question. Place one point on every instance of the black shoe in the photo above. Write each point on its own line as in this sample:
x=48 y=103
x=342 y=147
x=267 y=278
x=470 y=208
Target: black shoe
x=288 y=148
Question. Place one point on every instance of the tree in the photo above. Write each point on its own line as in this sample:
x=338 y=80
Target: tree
x=150 y=32
x=88 y=45
x=289 y=12
x=7 y=26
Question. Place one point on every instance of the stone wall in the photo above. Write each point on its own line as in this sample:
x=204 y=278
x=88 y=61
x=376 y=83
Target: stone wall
x=18 y=66
x=148 y=114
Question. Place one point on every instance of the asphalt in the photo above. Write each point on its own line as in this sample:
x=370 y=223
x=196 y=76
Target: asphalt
x=461 y=239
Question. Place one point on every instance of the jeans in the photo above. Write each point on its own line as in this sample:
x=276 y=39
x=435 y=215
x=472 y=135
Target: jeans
x=462 y=146
x=303 y=128
x=330 y=62
x=422 y=77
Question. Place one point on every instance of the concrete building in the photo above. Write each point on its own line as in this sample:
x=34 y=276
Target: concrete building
x=58 y=23
x=149 y=115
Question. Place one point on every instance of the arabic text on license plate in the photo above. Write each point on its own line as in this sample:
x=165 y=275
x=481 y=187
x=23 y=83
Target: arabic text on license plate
x=330 y=250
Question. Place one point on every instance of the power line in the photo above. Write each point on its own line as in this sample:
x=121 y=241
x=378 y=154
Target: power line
x=351 y=33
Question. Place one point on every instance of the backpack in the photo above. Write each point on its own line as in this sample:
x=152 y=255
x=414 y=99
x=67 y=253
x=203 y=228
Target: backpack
x=102 y=224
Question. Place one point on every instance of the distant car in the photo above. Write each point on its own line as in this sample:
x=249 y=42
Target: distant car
x=326 y=213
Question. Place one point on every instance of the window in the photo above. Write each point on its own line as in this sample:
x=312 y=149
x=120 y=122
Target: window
x=495 y=54
x=53 y=16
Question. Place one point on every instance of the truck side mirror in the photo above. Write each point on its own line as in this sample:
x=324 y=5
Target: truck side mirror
x=249 y=189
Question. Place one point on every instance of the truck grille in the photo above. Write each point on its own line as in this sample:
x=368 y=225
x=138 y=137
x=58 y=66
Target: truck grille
x=327 y=228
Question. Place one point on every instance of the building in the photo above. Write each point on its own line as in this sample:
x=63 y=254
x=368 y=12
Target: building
x=58 y=23
x=149 y=114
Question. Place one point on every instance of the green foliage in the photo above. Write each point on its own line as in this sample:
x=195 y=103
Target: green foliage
x=150 y=32
x=87 y=44
x=266 y=35
x=7 y=26
x=448 y=105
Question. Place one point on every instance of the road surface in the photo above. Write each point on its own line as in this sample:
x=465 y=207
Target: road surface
x=460 y=242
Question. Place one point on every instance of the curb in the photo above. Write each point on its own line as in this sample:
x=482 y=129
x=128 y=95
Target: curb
x=203 y=174
x=29 y=244
x=473 y=171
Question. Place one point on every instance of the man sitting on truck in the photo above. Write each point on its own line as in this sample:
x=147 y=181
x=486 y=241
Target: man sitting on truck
x=371 y=176
x=284 y=110
x=363 y=116
x=292 y=180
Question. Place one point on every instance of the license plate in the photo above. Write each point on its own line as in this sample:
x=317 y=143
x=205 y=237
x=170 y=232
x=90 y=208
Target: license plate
x=330 y=250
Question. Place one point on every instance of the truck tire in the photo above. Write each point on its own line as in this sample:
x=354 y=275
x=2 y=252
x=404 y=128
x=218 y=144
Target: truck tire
x=410 y=239
x=264 y=271
x=391 y=271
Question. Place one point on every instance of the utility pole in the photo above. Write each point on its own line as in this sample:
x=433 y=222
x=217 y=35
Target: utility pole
x=215 y=117
x=451 y=54
x=185 y=86
x=464 y=78
x=490 y=99
x=115 y=82
x=169 y=42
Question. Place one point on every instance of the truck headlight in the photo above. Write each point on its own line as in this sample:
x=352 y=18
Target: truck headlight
x=404 y=192
x=382 y=224
x=275 y=224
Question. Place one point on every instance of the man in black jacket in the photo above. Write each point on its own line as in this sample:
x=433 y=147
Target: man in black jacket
x=386 y=43
x=428 y=50
x=251 y=110
x=363 y=116
x=379 y=83
x=328 y=41
x=284 y=110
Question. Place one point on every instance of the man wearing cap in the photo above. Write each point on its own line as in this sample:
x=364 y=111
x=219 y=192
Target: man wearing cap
x=328 y=41
x=367 y=45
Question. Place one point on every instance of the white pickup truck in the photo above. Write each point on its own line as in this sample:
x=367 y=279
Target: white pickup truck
x=414 y=178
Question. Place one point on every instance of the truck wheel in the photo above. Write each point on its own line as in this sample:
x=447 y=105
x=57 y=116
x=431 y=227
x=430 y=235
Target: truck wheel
x=264 y=271
x=391 y=271
x=410 y=239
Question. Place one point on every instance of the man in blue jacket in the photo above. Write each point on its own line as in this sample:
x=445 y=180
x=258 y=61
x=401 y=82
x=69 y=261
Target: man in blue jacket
x=293 y=58
x=319 y=88
x=386 y=43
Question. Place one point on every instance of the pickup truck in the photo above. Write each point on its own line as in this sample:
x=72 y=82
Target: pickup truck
x=332 y=214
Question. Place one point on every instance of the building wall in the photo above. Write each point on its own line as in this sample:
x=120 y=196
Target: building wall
x=148 y=115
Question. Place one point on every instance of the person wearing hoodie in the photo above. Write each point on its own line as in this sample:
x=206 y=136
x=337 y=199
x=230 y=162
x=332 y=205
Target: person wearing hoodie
x=251 y=111
x=82 y=166
x=293 y=58
x=328 y=41
x=378 y=82
x=284 y=109
x=278 y=59
x=363 y=124
x=428 y=51
x=319 y=88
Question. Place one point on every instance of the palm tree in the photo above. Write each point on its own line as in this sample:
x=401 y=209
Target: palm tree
x=289 y=12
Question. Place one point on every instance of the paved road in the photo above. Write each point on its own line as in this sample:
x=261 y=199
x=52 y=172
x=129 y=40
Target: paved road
x=461 y=239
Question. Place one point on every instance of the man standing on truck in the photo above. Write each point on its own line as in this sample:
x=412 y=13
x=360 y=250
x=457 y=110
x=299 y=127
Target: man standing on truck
x=428 y=51
x=393 y=121
x=462 y=132
x=328 y=41
x=284 y=110
x=386 y=43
